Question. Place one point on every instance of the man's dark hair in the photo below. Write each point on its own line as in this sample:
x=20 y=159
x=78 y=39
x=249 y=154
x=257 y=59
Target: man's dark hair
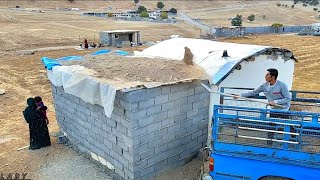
x=273 y=72
x=38 y=99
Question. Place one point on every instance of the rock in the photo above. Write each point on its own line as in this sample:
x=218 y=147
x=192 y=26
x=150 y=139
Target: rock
x=2 y=91
x=26 y=52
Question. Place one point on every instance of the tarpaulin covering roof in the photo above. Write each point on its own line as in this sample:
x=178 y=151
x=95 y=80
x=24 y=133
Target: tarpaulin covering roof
x=206 y=53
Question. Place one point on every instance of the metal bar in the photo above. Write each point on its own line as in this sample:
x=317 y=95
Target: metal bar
x=266 y=130
x=248 y=99
x=266 y=139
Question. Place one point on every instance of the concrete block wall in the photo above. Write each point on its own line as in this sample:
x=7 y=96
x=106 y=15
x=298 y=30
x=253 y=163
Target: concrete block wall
x=150 y=130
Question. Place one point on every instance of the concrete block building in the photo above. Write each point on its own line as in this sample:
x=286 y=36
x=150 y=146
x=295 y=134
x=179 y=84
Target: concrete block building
x=120 y=38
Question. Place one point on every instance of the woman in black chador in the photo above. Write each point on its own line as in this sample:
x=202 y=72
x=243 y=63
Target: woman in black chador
x=39 y=134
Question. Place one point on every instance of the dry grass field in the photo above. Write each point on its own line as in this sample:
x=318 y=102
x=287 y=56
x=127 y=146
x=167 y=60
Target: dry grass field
x=266 y=13
x=23 y=76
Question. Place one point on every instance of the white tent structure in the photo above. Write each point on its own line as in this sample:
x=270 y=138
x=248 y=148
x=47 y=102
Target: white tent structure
x=245 y=66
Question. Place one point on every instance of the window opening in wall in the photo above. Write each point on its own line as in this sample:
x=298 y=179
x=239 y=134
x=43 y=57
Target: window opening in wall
x=116 y=36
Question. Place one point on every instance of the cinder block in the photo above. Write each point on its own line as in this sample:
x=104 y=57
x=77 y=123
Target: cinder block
x=123 y=145
x=136 y=115
x=174 y=112
x=141 y=148
x=204 y=110
x=162 y=99
x=165 y=90
x=139 y=132
x=169 y=137
x=175 y=95
x=195 y=135
x=173 y=144
x=161 y=132
x=180 y=133
x=153 y=92
x=160 y=148
x=197 y=105
x=147 y=170
x=188 y=92
x=161 y=164
x=180 y=118
x=153 y=127
x=146 y=103
x=174 y=128
x=159 y=116
x=186 y=108
x=146 y=138
x=153 y=110
x=127 y=140
x=154 y=159
x=179 y=163
x=143 y=122
x=155 y=142
x=194 y=98
x=204 y=95
x=203 y=138
x=173 y=159
x=136 y=96
x=117 y=149
x=192 y=113
x=167 y=122
x=146 y=154
x=114 y=155
x=175 y=88
x=200 y=89
x=167 y=106
x=106 y=142
x=191 y=144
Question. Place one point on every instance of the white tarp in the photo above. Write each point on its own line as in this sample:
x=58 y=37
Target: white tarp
x=206 y=53
x=77 y=80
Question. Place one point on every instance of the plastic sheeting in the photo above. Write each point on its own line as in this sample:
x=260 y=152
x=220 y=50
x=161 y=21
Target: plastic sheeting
x=76 y=80
x=100 y=52
x=122 y=53
x=49 y=63
x=206 y=53
x=69 y=58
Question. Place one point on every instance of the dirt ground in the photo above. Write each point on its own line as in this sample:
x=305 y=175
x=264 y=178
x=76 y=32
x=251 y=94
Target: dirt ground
x=23 y=76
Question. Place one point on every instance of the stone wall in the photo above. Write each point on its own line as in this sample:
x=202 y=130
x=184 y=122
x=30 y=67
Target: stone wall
x=150 y=130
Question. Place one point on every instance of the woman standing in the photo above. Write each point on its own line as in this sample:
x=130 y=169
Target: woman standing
x=39 y=135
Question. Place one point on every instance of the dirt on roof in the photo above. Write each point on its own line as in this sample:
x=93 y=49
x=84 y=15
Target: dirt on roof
x=128 y=71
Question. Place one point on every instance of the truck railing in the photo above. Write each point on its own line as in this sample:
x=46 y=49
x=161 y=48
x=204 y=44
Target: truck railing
x=264 y=133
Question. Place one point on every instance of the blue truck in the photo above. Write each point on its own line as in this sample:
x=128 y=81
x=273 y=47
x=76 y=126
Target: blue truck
x=266 y=144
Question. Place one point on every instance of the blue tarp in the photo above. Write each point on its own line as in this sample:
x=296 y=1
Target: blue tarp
x=100 y=52
x=69 y=58
x=122 y=53
x=49 y=63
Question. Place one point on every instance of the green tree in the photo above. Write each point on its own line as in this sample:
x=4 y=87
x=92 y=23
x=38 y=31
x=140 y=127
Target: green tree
x=292 y=6
x=276 y=27
x=136 y=1
x=315 y=9
x=173 y=10
x=295 y=1
x=144 y=14
x=141 y=9
x=237 y=21
x=251 y=18
x=110 y=14
x=164 y=15
x=160 y=5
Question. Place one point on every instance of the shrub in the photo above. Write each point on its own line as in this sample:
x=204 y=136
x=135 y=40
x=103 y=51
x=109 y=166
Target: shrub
x=160 y=5
x=110 y=14
x=164 y=15
x=173 y=10
x=144 y=14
